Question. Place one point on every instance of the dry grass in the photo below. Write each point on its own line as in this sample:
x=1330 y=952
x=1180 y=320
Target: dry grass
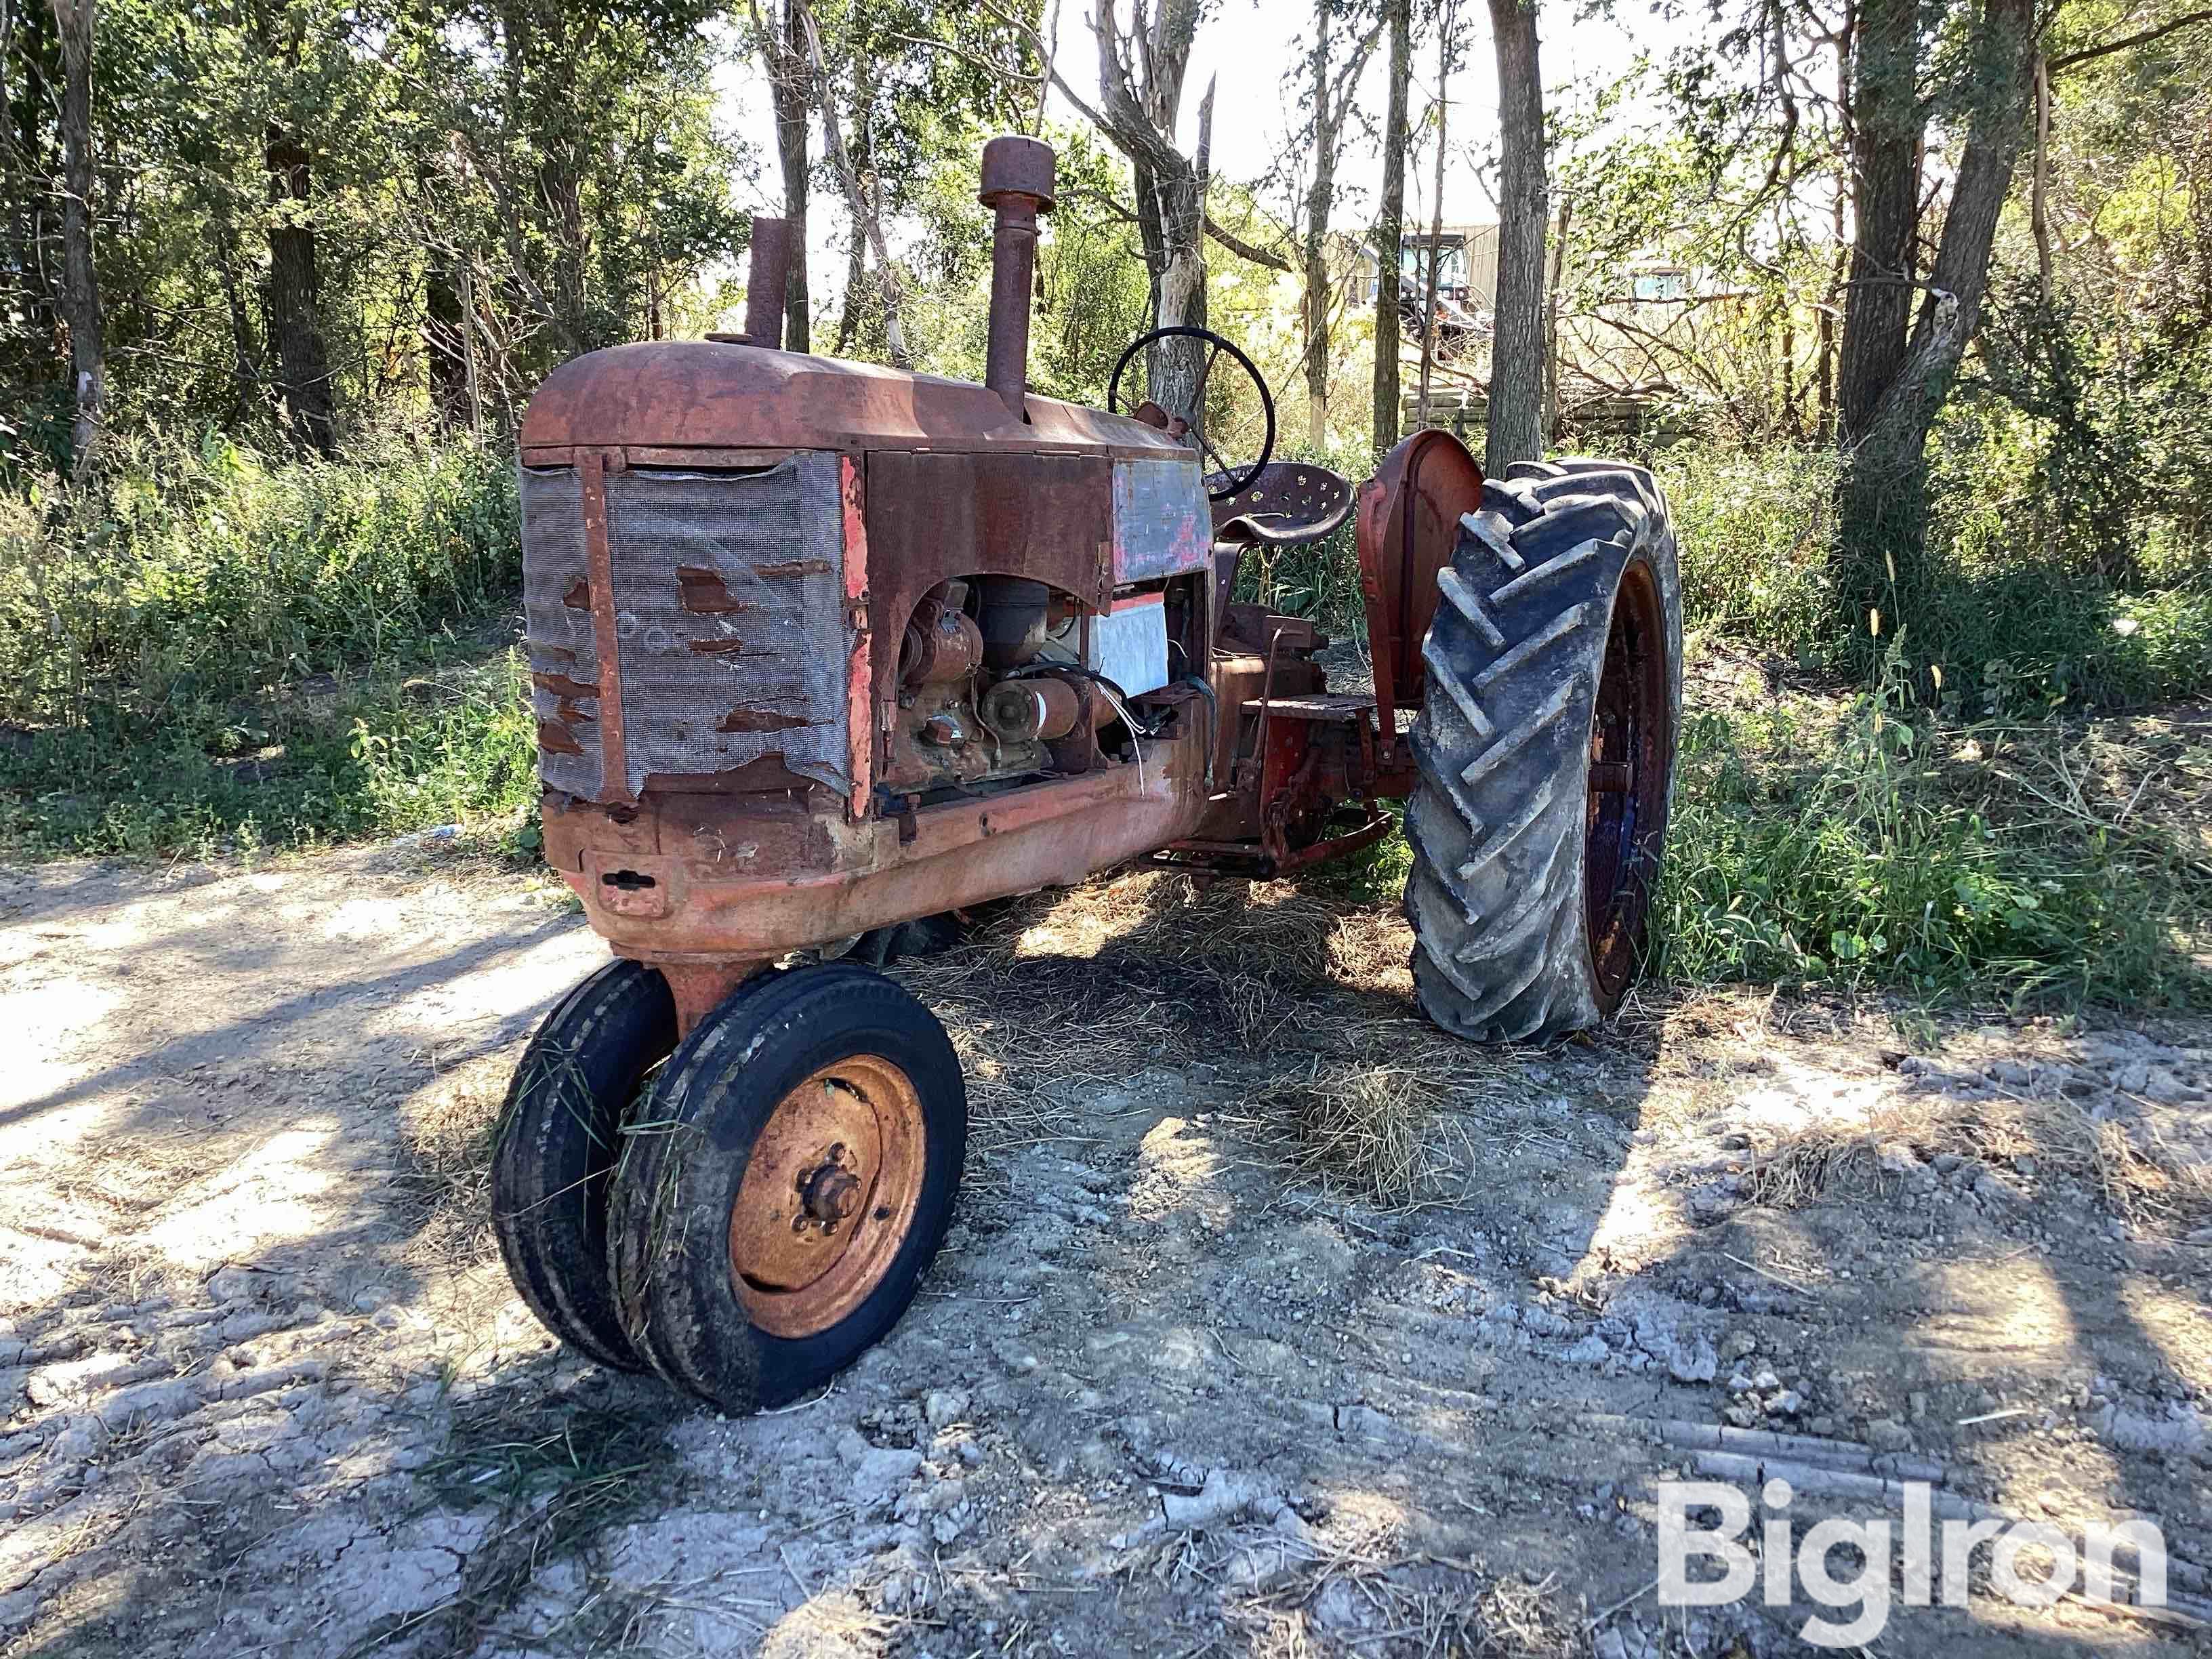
x=2145 y=1186
x=1418 y=1601
x=561 y=1477
x=1304 y=1000
x=444 y=1181
x=1369 y=1133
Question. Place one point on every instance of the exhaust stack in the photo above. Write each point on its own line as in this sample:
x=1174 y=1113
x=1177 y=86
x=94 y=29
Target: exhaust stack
x=767 y=278
x=1017 y=182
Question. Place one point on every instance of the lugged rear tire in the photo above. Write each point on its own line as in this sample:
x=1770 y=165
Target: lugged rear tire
x=1545 y=750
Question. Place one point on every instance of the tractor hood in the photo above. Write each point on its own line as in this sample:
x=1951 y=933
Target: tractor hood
x=714 y=395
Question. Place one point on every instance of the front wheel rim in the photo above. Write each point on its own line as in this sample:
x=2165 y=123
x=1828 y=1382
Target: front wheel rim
x=1632 y=752
x=830 y=1193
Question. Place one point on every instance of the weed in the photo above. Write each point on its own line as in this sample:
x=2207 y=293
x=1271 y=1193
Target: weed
x=188 y=575
x=1877 y=846
x=373 y=759
x=561 y=1475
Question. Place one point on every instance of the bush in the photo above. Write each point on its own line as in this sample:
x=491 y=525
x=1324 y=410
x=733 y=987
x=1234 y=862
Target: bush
x=2000 y=612
x=205 y=650
x=1754 y=533
x=1883 y=848
x=187 y=573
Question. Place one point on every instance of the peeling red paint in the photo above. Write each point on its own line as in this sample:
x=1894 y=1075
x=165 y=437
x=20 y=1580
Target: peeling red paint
x=562 y=685
x=703 y=591
x=557 y=739
x=859 y=705
x=762 y=720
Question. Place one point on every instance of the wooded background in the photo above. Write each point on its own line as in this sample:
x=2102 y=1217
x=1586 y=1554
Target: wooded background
x=1941 y=340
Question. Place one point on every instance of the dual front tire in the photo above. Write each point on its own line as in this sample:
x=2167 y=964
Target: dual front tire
x=743 y=1212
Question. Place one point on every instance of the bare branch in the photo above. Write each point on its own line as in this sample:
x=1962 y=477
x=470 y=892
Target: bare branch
x=2142 y=38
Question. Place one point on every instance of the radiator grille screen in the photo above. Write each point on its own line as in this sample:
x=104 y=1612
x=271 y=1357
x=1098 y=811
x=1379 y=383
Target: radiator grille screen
x=729 y=619
x=557 y=619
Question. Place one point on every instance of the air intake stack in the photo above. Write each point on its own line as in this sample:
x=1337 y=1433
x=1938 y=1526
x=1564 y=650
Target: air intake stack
x=1018 y=183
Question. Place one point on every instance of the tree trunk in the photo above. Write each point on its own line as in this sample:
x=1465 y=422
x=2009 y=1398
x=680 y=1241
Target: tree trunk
x=1431 y=276
x=245 y=350
x=1517 y=346
x=1553 y=276
x=18 y=172
x=1178 y=364
x=1887 y=121
x=864 y=218
x=1320 y=195
x=561 y=188
x=864 y=165
x=80 y=295
x=1139 y=93
x=783 y=54
x=856 y=273
x=445 y=344
x=1390 y=230
x=1889 y=464
x=303 y=368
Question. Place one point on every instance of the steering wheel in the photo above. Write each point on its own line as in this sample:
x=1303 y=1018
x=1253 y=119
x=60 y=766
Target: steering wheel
x=1228 y=480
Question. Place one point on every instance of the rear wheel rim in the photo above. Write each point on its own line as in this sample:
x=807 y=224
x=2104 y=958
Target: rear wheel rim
x=830 y=1193
x=1632 y=748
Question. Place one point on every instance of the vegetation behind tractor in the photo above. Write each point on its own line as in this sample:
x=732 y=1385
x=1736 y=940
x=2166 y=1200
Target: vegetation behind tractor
x=822 y=650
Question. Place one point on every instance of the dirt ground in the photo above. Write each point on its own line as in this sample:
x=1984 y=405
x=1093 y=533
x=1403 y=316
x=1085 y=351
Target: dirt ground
x=1271 y=1323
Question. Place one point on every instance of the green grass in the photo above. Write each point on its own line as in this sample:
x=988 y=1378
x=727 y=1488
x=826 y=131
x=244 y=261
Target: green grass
x=187 y=573
x=208 y=652
x=381 y=758
x=1877 y=846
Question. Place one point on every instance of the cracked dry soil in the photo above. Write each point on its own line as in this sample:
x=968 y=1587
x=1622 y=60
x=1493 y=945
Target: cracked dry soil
x=1174 y=1388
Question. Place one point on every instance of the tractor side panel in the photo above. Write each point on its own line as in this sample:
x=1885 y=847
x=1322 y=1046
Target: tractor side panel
x=556 y=608
x=1163 y=522
x=732 y=634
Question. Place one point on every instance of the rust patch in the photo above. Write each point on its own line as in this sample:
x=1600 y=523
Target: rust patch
x=794 y=568
x=578 y=598
x=562 y=685
x=701 y=592
x=570 y=715
x=556 y=739
x=724 y=648
x=762 y=720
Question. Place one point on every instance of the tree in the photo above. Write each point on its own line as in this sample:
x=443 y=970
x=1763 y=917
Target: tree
x=79 y=291
x=1516 y=351
x=1331 y=90
x=1390 y=225
x=780 y=39
x=867 y=220
x=1892 y=436
x=1888 y=128
x=1447 y=56
x=1140 y=75
x=295 y=293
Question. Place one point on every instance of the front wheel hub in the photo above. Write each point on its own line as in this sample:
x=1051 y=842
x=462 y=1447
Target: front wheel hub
x=829 y=1195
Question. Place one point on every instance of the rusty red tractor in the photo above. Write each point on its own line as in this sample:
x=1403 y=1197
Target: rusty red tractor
x=823 y=651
